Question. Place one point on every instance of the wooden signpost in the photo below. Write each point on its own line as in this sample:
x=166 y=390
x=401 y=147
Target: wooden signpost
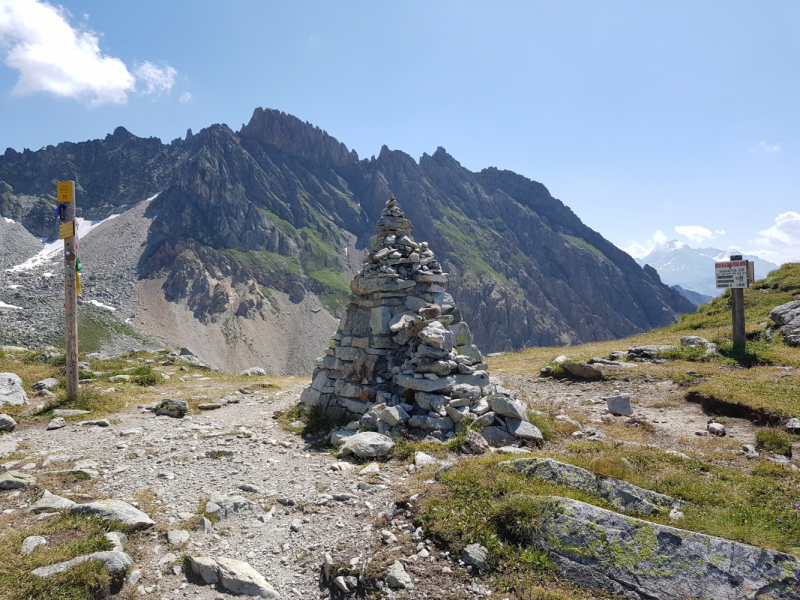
x=737 y=274
x=67 y=231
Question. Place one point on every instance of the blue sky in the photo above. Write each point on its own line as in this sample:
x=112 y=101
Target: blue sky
x=651 y=120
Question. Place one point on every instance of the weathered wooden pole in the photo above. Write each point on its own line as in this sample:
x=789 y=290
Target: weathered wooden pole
x=737 y=304
x=68 y=231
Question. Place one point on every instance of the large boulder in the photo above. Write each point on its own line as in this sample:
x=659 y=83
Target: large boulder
x=582 y=370
x=599 y=548
x=11 y=392
x=509 y=407
x=618 y=493
x=787 y=317
x=524 y=430
x=14 y=480
x=367 y=444
x=397 y=578
x=115 y=511
x=172 y=408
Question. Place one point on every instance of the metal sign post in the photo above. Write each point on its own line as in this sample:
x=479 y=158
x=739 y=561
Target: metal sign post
x=67 y=231
x=736 y=275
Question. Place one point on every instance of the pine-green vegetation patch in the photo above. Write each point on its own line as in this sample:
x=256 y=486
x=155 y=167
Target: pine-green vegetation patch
x=263 y=259
x=335 y=302
x=273 y=302
x=68 y=536
x=88 y=399
x=336 y=280
x=775 y=440
x=468 y=243
x=581 y=243
x=761 y=389
x=96 y=329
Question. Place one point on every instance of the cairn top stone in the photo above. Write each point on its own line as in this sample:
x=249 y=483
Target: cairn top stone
x=402 y=353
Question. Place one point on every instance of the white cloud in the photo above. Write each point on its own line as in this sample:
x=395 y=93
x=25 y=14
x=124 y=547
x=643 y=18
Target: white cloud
x=695 y=233
x=637 y=250
x=186 y=98
x=764 y=148
x=56 y=58
x=781 y=242
x=154 y=78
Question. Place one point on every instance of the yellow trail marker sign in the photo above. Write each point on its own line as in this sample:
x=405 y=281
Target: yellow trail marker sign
x=65 y=190
x=66 y=230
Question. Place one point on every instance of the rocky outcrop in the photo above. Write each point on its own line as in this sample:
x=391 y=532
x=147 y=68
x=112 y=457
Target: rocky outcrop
x=618 y=493
x=599 y=548
x=787 y=318
x=286 y=206
x=290 y=134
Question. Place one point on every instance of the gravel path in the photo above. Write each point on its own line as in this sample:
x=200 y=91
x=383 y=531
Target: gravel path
x=306 y=502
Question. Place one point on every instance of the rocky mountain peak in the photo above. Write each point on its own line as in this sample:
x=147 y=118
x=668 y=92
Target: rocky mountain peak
x=290 y=134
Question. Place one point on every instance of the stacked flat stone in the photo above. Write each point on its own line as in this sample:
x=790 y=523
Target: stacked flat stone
x=402 y=358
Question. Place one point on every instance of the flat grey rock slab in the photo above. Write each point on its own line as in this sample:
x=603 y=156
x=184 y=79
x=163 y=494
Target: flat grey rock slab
x=116 y=563
x=234 y=576
x=524 y=430
x=618 y=493
x=367 y=444
x=69 y=412
x=45 y=384
x=14 y=480
x=596 y=547
x=51 y=503
x=509 y=407
x=56 y=423
x=223 y=507
x=115 y=511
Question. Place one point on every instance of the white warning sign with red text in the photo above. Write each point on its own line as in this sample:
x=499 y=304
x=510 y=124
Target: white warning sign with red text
x=732 y=274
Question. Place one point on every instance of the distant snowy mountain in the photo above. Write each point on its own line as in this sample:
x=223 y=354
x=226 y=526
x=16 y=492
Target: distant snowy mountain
x=693 y=268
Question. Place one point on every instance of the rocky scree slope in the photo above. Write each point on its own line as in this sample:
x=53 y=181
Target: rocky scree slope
x=285 y=206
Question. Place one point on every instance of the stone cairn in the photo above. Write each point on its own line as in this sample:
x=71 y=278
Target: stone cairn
x=403 y=360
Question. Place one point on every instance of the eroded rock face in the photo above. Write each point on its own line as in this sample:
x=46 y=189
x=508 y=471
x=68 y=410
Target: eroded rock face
x=600 y=548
